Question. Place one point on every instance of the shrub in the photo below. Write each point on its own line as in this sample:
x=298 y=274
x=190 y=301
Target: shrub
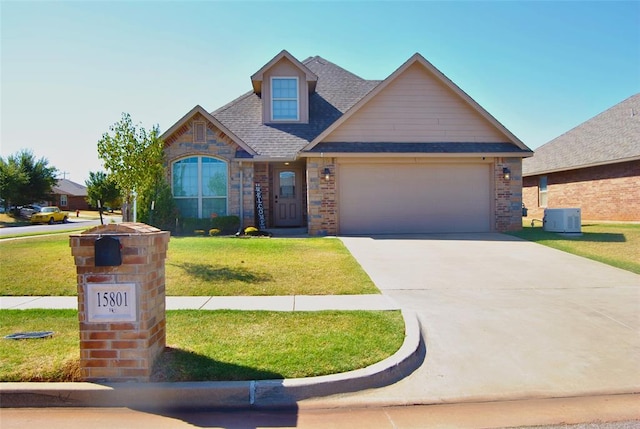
x=251 y=230
x=226 y=224
x=214 y=231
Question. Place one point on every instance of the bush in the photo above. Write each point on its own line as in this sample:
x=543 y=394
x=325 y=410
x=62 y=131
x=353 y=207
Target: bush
x=227 y=225
x=214 y=232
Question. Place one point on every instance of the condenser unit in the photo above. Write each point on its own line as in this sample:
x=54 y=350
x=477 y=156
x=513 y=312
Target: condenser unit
x=562 y=220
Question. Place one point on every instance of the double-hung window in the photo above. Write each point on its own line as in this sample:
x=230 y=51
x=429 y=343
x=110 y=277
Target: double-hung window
x=542 y=191
x=284 y=99
x=200 y=186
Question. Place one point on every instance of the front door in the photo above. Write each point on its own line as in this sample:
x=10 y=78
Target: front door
x=287 y=198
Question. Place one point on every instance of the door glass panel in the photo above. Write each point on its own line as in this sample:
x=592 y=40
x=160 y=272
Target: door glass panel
x=287 y=184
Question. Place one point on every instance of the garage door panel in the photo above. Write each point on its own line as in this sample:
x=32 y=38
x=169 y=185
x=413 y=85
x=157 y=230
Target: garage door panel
x=411 y=198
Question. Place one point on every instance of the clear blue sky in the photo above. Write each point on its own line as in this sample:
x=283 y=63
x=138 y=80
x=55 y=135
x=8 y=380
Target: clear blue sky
x=69 y=69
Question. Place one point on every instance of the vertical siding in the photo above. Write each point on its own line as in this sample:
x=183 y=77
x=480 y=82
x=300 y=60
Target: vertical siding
x=417 y=107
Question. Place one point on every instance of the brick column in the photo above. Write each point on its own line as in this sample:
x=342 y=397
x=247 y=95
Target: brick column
x=121 y=308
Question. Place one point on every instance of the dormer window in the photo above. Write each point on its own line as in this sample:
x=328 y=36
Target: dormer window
x=284 y=99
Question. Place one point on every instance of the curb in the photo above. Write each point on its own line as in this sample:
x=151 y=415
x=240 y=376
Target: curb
x=220 y=394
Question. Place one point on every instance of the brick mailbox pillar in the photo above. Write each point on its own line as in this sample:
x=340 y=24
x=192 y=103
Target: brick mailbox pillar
x=121 y=300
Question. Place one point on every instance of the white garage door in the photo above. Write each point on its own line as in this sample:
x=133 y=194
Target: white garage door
x=414 y=198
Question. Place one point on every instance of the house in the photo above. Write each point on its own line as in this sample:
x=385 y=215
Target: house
x=69 y=195
x=595 y=166
x=313 y=145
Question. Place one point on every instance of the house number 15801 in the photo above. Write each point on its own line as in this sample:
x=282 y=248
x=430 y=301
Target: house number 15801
x=112 y=299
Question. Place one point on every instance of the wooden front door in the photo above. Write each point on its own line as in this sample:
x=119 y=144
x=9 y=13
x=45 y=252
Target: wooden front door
x=287 y=196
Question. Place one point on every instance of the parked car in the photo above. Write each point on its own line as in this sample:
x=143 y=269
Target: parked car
x=50 y=215
x=27 y=211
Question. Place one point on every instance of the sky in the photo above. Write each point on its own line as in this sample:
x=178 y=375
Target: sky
x=68 y=70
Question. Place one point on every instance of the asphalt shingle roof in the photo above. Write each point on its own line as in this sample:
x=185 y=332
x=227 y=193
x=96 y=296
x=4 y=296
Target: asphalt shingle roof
x=67 y=187
x=337 y=90
x=612 y=136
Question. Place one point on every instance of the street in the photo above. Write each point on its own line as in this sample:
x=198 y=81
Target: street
x=621 y=411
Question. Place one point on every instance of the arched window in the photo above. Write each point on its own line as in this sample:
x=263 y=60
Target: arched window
x=200 y=186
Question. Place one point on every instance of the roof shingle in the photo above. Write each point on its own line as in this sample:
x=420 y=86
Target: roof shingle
x=612 y=136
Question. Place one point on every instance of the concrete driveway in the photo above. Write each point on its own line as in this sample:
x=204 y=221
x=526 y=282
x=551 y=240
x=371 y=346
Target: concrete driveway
x=504 y=318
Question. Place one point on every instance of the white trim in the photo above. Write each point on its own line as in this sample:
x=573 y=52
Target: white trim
x=297 y=99
x=199 y=196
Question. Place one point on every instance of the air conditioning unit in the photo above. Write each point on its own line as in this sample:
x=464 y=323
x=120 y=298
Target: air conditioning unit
x=562 y=220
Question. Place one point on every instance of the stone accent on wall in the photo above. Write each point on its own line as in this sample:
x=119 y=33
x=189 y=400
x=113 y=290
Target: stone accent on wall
x=181 y=144
x=321 y=197
x=117 y=350
x=508 y=194
x=606 y=192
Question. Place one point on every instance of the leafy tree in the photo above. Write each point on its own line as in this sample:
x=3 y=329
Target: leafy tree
x=133 y=157
x=24 y=180
x=158 y=208
x=101 y=187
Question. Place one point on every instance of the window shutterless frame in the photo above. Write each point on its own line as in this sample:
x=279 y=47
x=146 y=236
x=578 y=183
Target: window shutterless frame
x=285 y=98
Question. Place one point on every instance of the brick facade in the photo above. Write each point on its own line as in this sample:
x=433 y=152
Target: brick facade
x=508 y=194
x=181 y=144
x=607 y=192
x=321 y=197
x=120 y=351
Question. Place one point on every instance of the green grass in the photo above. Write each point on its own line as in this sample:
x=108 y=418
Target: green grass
x=611 y=243
x=49 y=359
x=227 y=345
x=199 y=266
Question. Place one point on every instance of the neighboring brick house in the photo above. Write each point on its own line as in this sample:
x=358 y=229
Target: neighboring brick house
x=595 y=166
x=69 y=195
x=315 y=146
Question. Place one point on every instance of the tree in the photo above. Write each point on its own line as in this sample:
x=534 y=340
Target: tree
x=24 y=180
x=133 y=157
x=101 y=187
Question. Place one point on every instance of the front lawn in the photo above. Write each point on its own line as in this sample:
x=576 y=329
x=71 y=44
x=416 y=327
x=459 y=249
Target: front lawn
x=611 y=243
x=199 y=266
x=227 y=345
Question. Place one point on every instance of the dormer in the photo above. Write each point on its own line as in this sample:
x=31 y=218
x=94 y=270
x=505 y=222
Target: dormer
x=284 y=84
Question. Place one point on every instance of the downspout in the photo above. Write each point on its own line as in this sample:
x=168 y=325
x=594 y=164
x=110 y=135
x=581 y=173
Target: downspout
x=241 y=198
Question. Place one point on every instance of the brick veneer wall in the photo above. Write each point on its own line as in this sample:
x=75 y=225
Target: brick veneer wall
x=321 y=197
x=119 y=351
x=508 y=194
x=181 y=144
x=606 y=192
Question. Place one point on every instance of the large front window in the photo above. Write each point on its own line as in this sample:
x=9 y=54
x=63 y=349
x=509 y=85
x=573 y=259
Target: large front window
x=284 y=99
x=200 y=186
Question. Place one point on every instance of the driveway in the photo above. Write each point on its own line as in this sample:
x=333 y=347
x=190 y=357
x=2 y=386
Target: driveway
x=504 y=318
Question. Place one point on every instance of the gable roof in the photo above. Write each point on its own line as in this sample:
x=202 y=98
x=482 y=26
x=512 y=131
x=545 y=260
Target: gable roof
x=419 y=59
x=200 y=110
x=338 y=95
x=257 y=77
x=610 y=137
x=336 y=91
x=67 y=187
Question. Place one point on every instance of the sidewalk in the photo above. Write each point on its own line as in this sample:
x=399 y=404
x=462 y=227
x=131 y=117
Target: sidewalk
x=268 y=303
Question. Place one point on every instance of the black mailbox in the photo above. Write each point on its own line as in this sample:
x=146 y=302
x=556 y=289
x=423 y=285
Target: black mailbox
x=107 y=252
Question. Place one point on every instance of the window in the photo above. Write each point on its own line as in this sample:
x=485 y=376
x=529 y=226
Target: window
x=200 y=186
x=63 y=201
x=284 y=99
x=542 y=191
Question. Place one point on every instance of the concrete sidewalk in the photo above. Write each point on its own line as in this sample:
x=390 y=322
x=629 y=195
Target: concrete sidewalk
x=269 y=303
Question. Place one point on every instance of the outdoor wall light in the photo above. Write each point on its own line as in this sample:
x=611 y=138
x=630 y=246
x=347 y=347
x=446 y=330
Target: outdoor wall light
x=327 y=173
x=506 y=173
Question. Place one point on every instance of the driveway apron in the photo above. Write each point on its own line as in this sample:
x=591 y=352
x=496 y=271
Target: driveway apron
x=504 y=318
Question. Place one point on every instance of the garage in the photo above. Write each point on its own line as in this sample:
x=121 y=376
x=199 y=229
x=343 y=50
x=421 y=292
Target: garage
x=413 y=197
